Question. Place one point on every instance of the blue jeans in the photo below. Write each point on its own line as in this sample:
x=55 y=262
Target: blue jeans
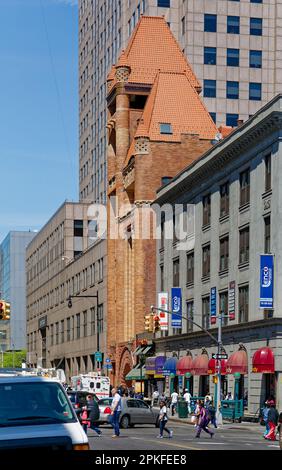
x=114 y=421
x=163 y=427
x=92 y=426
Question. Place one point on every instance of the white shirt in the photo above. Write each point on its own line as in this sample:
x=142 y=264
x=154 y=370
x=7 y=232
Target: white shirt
x=187 y=397
x=155 y=394
x=116 y=404
x=174 y=397
x=163 y=412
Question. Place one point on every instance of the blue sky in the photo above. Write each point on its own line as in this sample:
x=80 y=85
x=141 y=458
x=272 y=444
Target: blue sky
x=38 y=110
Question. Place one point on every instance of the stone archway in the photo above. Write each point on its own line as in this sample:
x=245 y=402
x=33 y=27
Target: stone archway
x=125 y=366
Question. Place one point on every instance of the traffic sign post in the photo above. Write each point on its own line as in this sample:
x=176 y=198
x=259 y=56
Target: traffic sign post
x=220 y=356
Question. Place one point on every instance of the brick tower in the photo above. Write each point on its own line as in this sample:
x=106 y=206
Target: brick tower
x=157 y=125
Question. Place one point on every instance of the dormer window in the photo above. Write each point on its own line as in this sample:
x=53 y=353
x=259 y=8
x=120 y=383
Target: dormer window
x=165 y=128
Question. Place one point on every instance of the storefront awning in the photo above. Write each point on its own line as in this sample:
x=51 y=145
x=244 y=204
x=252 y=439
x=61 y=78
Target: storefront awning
x=154 y=366
x=136 y=374
x=238 y=362
x=200 y=365
x=169 y=366
x=184 y=365
x=213 y=366
x=263 y=361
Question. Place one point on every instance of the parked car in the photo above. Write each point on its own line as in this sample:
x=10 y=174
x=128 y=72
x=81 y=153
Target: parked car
x=36 y=413
x=78 y=399
x=133 y=411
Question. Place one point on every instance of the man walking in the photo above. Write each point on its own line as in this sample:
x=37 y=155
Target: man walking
x=272 y=421
x=174 y=399
x=92 y=415
x=187 y=398
x=115 y=413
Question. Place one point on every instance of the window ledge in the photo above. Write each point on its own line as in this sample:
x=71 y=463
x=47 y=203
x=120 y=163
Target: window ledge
x=100 y=281
x=223 y=218
x=267 y=193
x=244 y=207
x=205 y=278
x=223 y=272
x=206 y=227
x=190 y=284
x=243 y=265
x=161 y=250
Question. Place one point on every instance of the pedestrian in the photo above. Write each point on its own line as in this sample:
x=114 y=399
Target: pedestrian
x=115 y=412
x=212 y=414
x=155 y=397
x=187 y=398
x=207 y=400
x=90 y=415
x=229 y=396
x=163 y=419
x=203 y=421
x=174 y=399
x=272 y=421
x=264 y=416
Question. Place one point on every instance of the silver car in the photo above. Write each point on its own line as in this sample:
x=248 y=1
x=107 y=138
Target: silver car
x=133 y=411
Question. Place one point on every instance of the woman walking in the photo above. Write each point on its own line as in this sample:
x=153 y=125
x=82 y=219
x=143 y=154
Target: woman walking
x=272 y=421
x=203 y=421
x=163 y=419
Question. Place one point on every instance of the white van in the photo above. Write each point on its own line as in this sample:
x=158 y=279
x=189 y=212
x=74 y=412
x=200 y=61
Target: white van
x=98 y=384
x=35 y=412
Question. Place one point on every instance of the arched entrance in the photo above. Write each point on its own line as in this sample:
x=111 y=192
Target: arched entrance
x=125 y=367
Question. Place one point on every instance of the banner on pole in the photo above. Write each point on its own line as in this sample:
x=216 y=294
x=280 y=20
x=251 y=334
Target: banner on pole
x=266 y=281
x=163 y=316
x=176 y=301
x=213 y=305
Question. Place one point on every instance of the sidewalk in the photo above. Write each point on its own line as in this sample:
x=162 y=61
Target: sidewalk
x=226 y=424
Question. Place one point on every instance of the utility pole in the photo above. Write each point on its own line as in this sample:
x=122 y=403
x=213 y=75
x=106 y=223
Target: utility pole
x=218 y=341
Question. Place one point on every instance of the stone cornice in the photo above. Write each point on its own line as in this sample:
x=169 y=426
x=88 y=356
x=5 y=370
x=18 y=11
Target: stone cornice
x=227 y=332
x=225 y=152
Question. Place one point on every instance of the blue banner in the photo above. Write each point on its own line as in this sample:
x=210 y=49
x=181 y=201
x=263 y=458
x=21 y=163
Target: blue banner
x=176 y=307
x=213 y=305
x=266 y=281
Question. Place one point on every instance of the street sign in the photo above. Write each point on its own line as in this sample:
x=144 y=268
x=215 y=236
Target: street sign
x=98 y=356
x=220 y=356
x=108 y=359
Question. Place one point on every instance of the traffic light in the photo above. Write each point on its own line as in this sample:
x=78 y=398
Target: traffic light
x=2 y=310
x=148 y=322
x=7 y=311
x=157 y=325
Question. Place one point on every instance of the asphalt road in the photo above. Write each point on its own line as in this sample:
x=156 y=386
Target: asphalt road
x=143 y=437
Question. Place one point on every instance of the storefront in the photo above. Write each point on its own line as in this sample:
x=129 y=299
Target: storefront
x=237 y=364
x=154 y=373
x=263 y=362
x=169 y=371
x=184 y=371
x=200 y=367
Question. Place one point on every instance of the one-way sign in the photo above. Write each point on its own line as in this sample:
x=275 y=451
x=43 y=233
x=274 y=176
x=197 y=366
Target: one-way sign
x=220 y=356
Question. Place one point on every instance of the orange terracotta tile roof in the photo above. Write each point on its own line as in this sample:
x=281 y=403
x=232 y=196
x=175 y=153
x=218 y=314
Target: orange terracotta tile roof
x=173 y=100
x=152 y=47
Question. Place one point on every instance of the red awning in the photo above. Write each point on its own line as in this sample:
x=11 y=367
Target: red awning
x=238 y=362
x=200 y=365
x=184 y=365
x=263 y=361
x=212 y=366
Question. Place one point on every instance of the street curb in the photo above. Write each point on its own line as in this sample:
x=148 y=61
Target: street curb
x=226 y=424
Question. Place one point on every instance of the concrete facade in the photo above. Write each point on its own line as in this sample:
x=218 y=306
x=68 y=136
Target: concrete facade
x=59 y=336
x=13 y=288
x=247 y=148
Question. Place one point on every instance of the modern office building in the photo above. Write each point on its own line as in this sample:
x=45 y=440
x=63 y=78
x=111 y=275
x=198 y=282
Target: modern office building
x=60 y=335
x=233 y=46
x=235 y=189
x=13 y=288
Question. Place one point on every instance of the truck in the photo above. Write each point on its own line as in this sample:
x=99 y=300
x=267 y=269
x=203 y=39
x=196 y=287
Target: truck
x=92 y=382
